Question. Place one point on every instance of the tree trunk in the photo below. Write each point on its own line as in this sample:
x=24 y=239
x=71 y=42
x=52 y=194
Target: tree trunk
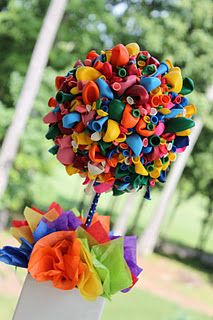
x=30 y=89
x=121 y=223
x=149 y=237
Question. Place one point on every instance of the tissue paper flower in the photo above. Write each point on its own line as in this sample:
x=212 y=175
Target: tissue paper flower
x=119 y=118
x=56 y=246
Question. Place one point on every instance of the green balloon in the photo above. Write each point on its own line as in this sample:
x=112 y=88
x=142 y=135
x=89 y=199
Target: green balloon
x=178 y=124
x=53 y=149
x=104 y=146
x=188 y=86
x=53 y=132
x=116 y=108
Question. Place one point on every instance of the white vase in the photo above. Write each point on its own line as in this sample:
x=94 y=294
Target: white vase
x=41 y=301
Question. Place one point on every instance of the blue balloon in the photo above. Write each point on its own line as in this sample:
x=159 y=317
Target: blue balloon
x=71 y=119
x=104 y=88
x=135 y=143
x=150 y=83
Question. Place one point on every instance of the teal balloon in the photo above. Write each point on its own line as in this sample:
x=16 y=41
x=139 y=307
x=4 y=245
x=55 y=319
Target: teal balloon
x=188 y=86
x=178 y=124
x=116 y=108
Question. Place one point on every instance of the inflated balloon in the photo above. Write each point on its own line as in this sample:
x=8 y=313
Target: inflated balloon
x=119 y=118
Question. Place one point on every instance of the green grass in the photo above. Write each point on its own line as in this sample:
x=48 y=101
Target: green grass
x=136 y=305
x=141 y=305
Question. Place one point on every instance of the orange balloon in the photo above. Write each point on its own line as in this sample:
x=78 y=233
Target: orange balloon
x=120 y=55
x=147 y=133
x=95 y=154
x=140 y=126
x=128 y=120
x=90 y=92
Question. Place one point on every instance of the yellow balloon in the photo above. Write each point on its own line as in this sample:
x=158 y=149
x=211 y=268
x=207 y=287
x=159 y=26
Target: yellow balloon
x=82 y=138
x=184 y=133
x=71 y=170
x=112 y=132
x=190 y=110
x=155 y=173
x=87 y=73
x=133 y=48
x=174 y=79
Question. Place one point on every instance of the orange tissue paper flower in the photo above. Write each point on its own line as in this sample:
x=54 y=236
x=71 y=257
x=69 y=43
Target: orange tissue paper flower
x=57 y=257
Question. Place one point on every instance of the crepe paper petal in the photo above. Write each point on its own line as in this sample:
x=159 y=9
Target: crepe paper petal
x=19 y=223
x=13 y=256
x=51 y=214
x=18 y=257
x=55 y=206
x=130 y=254
x=33 y=218
x=39 y=211
x=89 y=284
x=42 y=230
x=111 y=255
x=56 y=257
x=104 y=221
x=66 y=221
x=97 y=231
x=104 y=275
x=134 y=281
x=22 y=232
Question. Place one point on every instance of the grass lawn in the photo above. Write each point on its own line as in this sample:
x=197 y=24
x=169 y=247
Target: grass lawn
x=136 y=305
x=141 y=305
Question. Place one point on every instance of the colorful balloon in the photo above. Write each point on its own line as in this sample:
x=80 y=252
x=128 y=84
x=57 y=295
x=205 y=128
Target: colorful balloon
x=119 y=118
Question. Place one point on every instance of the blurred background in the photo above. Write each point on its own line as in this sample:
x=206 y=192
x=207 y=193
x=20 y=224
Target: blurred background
x=177 y=281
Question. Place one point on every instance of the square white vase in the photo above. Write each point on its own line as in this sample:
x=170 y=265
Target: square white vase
x=40 y=300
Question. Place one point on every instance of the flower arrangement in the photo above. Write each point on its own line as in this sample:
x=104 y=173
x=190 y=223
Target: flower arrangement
x=55 y=246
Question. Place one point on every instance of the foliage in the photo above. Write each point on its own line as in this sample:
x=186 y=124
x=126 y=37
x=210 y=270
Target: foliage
x=178 y=29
